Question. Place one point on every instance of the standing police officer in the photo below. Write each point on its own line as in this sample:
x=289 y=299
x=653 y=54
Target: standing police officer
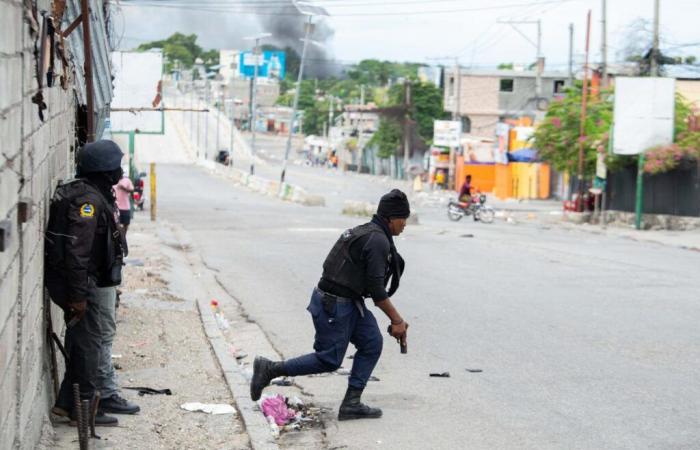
x=359 y=265
x=84 y=252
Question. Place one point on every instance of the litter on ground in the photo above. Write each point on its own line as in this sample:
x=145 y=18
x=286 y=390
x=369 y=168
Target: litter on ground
x=209 y=408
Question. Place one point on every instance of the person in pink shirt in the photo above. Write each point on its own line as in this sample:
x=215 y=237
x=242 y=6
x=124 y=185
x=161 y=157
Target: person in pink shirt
x=123 y=189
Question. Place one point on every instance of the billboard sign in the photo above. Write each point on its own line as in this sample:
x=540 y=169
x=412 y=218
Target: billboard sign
x=644 y=113
x=447 y=133
x=271 y=64
x=137 y=76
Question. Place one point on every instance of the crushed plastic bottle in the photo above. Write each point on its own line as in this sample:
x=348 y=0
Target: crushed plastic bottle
x=274 y=428
x=219 y=316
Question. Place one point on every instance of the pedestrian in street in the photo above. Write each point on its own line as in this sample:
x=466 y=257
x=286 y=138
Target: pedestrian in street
x=84 y=252
x=362 y=263
x=123 y=191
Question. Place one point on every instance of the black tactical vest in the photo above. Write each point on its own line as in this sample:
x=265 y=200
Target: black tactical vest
x=55 y=241
x=339 y=266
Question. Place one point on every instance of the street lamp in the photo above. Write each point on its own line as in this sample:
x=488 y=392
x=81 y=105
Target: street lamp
x=253 y=105
x=310 y=11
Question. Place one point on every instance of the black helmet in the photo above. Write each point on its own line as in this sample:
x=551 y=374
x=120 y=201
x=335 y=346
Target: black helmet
x=99 y=156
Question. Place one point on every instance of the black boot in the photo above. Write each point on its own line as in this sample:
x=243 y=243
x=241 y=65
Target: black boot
x=264 y=371
x=352 y=408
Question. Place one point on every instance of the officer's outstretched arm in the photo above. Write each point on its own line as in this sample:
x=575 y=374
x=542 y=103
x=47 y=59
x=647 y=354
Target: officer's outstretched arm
x=398 y=325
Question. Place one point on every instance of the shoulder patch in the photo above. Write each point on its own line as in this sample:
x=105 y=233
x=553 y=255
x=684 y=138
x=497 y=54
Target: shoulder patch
x=87 y=210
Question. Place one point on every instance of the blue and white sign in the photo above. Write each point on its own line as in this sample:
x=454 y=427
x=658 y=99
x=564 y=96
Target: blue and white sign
x=271 y=64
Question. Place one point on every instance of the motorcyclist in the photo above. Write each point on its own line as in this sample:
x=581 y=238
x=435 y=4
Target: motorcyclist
x=465 y=193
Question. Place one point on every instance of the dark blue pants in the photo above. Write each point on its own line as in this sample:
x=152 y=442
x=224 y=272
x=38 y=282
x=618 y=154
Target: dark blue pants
x=335 y=329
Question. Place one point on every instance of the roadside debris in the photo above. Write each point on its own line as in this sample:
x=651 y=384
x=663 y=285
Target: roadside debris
x=209 y=408
x=220 y=319
x=276 y=407
x=474 y=370
x=288 y=413
x=441 y=375
x=281 y=382
x=142 y=390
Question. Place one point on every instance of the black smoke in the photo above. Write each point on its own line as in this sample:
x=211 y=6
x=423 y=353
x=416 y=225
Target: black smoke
x=287 y=26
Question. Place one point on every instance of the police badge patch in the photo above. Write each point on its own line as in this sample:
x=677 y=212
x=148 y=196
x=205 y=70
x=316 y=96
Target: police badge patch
x=87 y=210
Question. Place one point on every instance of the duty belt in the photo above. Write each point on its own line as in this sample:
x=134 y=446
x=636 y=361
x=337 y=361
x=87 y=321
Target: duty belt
x=337 y=299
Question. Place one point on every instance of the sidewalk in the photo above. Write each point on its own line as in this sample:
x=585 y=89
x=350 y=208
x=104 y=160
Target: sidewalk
x=160 y=344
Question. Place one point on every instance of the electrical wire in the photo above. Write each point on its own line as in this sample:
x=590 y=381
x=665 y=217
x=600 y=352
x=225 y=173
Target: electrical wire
x=266 y=10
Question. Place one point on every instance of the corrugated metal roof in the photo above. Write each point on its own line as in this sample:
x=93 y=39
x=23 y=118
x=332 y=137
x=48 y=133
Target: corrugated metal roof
x=682 y=71
x=507 y=73
x=101 y=71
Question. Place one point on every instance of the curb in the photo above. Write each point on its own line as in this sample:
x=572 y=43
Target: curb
x=255 y=424
x=287 y=192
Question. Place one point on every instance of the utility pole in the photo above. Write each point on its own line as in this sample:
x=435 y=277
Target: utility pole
x=295 y=104
x=360 y=130
x=571 y=54
x=218 y=114
x=206 y=121
x=330 y=118
x=655 y=42
x=233 y=126
x=253 y=97
x=582 y=129
x=254 y=109
x=191 y=107
x=407 y=128
x=458 y=81
x=604 y=43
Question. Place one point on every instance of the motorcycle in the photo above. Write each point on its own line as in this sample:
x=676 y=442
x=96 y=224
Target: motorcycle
x=476 y=208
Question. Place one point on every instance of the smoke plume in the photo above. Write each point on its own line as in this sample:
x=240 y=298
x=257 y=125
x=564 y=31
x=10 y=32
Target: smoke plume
x=286 y=25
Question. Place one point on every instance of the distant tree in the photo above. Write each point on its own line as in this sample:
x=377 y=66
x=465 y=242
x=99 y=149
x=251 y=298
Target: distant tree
x=181 y=51
x=505 y=66
x=387 y=138
x=557 y=137
x=427 y=101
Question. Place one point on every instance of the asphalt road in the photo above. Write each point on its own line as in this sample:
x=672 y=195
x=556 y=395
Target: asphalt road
x=584 y=341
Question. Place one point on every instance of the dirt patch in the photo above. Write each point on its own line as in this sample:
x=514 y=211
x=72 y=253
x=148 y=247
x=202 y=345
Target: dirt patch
x=161 y=348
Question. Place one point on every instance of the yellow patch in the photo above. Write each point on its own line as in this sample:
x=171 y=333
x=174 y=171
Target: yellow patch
x=87 y=210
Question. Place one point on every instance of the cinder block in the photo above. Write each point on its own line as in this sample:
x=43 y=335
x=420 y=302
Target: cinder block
x=31 y=387
x=31 y=366
x=8 y=396
x=11 y=76
x=9 y=291
x=11 y=132
x=9 y=187
x=32 y=417
x=8 y=341
x=10 y=256
x=11 y=22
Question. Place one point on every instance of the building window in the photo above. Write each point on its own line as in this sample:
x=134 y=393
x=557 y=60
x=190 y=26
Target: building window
x=559 y=86
x=452 y=87
x=466 y=124
x=506 y=85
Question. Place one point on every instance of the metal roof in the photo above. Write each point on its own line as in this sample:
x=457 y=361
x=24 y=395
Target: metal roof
x=101 y=70
x=507 y=73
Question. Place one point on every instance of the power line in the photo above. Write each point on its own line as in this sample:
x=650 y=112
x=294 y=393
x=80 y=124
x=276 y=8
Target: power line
x=228 y=7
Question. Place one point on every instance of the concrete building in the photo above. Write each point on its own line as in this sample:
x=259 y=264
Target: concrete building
x=36 y=153
x=487 y=96
x=268 y=91
x=229 y=61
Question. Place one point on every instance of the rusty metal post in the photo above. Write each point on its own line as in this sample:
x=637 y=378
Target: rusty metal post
x=89 y=86
x=85 y=425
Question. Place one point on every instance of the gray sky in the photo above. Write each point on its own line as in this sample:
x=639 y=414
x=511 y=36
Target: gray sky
x=407 y=30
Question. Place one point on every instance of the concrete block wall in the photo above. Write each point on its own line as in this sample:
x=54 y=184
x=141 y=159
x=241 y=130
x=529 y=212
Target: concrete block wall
x=34 y=155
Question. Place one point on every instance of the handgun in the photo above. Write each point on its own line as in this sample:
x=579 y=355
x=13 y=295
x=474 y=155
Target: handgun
x=404 y=346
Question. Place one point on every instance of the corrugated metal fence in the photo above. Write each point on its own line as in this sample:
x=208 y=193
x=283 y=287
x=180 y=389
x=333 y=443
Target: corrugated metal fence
x=676 y=192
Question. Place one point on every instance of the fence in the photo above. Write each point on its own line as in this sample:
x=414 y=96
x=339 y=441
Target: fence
x=676 y=192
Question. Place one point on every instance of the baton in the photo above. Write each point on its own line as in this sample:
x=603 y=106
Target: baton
x=404 y=346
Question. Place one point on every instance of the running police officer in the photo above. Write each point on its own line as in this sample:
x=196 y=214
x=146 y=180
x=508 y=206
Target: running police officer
x=359 y=265
x=84 y=252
